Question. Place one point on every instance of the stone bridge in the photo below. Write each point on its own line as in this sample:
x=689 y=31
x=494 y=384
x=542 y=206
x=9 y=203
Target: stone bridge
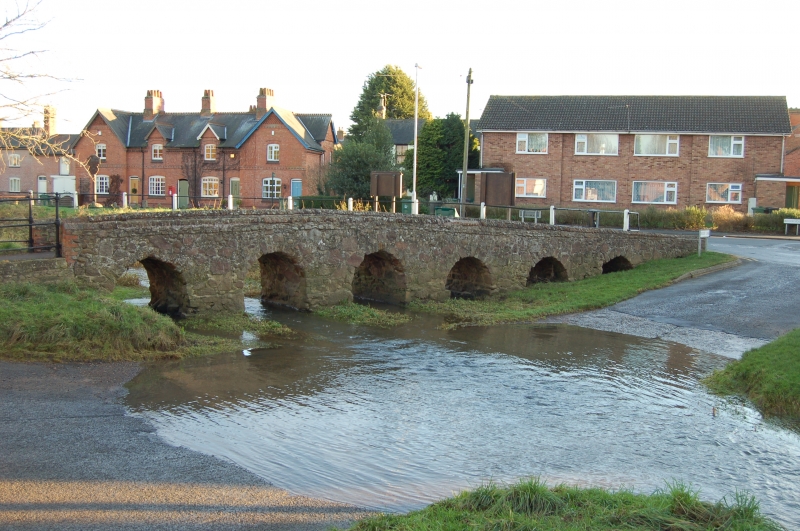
x=197 y=261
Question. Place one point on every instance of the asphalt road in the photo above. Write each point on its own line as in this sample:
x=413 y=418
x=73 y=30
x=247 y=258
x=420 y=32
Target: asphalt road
x=727 y=312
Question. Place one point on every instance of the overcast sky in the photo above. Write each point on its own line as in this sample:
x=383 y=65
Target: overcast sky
x=317 y=55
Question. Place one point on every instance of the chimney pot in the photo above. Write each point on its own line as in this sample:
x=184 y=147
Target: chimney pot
x=208 y=103
x=264 y=102
x=153 y=104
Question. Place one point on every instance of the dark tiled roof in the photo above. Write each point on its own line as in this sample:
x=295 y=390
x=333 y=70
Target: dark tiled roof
x=403 y=130
x=181 y=130
x=318 y=125
x=766 y=115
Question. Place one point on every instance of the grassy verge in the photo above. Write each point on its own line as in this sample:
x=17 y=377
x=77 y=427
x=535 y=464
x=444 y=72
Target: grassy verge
x=543 y=299
x=63 y=322
x=531 y=505
x=768 y=376
x=236 y=324
x=354 y=313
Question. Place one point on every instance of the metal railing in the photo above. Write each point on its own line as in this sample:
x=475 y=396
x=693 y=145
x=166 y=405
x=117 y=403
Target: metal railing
x=31 y=230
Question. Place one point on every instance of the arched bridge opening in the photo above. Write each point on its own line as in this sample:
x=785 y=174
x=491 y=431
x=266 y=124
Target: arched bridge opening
x=469 y=279
x=380 y=277
x=547 y=269
x=167 y=287
x=619 y=263
x=283 y=282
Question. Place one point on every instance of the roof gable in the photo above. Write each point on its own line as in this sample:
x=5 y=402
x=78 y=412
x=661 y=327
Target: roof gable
x=292 y=123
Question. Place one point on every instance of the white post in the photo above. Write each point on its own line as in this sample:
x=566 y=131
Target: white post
x=416 y=119
x=626 y=220
x=174 y=202
x=483 y=210
x=230 y=202
x=124 y=199
x=552 y=215
x=349 y=204
x=415 y=206
x=289 y=203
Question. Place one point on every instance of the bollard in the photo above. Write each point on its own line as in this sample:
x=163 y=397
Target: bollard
x=349 y=204
x=415 y=206
x=174 y=202
x=230 y=202
x=552 y=215
x=289 y=203
x=483 y=210
x=124 y=199
x=376 y=204
x=626 y=220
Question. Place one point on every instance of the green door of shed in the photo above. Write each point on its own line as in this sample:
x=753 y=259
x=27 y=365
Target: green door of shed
x=183 y=194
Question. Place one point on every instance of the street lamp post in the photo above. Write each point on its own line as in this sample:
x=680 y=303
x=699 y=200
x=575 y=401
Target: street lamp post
x=414 y=204
x=466 y=149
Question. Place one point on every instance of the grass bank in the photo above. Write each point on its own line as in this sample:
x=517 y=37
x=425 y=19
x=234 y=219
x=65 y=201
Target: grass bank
x=768 y=376
x=554 y=298
x=531 y=505
x=360 y=314
x=63 y=322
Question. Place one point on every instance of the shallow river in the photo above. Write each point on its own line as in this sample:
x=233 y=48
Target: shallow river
x=396 y=419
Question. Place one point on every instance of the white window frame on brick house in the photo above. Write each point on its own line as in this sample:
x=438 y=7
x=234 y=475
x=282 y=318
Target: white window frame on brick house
x=156 y=186
x=63 y=166
x=158 y=152
x=100 y=151
x=210 y=152
x=271 y=188
x=727 y=193
x=102 y=183
x=593 y=144
x=14 y=160
x=531 y=143
x=530 y=187
x=400 y=151
x=655 y=192
x=209 y=187
x=14 y=184
x=273 y=153
x=726 y=146
x=586 y=191
x=656 y=146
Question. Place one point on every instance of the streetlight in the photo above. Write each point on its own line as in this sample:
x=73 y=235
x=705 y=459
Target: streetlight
x=414 y=204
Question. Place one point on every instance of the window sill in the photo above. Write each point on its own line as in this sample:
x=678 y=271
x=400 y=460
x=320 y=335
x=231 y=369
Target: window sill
x=273 y=162
x=592 y=201
x=530 y=152
x=724 y=202
x=597 y=154
x=654 y=202
x=726 y=156
x=660 y=155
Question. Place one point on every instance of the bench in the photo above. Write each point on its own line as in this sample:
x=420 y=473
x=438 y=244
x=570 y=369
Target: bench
x=535 y=215
x=795 y=222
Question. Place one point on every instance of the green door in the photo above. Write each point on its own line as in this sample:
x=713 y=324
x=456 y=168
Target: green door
x=183 y=194
x=792 y=196
x=235 y=189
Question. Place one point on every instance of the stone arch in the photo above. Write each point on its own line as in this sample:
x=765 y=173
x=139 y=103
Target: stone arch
x=469 y=279
x=283 y=282
x=619 y=263
x=548 y=269
x=168 y=293
x=380 y=277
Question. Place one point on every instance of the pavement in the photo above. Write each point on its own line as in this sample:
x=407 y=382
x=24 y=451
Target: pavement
x=725 y=313
x=71 y=459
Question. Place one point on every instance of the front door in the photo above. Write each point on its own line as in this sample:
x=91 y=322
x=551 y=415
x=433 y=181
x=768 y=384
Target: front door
x=65 y=185
x=133 y=190
x=235 y=189
x=183 y=194
x=41 y=185
x=793 y=196
x=297 y=187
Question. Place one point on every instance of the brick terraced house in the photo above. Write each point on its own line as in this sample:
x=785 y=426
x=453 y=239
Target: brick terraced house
x=619 y=152
x=257 y=156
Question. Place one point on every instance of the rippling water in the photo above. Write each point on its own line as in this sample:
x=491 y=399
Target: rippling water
x=394 y=420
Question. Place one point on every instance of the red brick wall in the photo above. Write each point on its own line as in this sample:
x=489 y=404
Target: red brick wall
x=29 y=170
x=791 y=166
x=692 y=169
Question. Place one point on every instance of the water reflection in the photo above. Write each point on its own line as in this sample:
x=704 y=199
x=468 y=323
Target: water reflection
x=396 y=419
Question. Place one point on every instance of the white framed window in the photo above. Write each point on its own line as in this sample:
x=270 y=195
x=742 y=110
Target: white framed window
x=157 y=185
x=100 y=151
x=211 y=152
x=656 y=145
x=13 y=184
x=596 y=144
x=158 y=152
x=209 y=187
x=101 y=184
x=724 y=193
x=655 y=192
x=400 y=151
x=273 y=153
x=595 y=191
x=14 y=160
x=532 y=143
x=726 y=146
x=270 y=188
x=63 y=166
x=530 y=187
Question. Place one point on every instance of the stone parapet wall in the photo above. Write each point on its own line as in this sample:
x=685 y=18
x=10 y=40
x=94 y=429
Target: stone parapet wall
x=207 y=254
x=42 y=271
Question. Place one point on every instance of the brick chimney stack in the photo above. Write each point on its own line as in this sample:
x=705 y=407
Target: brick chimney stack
x=264 y=102
x=153 y=104
x=49 y=121
x=209 y=104
x=340 y=134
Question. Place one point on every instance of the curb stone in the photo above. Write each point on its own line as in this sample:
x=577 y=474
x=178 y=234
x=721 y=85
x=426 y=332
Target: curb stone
x=707 y=270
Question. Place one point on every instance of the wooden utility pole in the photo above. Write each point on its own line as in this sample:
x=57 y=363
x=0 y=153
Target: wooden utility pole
x=466 y=150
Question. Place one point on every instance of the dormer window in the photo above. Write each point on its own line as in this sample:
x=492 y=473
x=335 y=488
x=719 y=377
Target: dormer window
x=158 y=152
x=211 y=152
x=273 y=153
x=100 y=151
x=14 y=160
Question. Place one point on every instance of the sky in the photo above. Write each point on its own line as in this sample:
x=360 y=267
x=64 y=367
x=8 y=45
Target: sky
x=317 y=55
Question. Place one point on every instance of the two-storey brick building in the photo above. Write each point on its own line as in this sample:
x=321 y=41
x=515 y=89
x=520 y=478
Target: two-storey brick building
x=257 y=156
x=635 y=151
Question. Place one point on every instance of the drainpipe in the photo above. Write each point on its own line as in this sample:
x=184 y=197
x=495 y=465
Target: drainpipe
x=783 y=152
x=222 y=154
x=143 y=181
